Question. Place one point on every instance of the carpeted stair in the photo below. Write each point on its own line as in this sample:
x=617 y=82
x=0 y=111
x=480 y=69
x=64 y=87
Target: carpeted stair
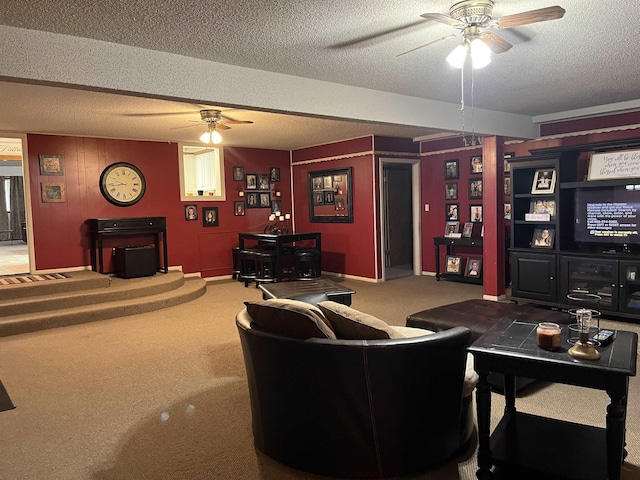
x=89 y=296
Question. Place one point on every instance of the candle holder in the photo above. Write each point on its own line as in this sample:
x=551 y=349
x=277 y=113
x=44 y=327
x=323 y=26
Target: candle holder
x=583 y=347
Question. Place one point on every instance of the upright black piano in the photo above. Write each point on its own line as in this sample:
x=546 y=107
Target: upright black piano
x=111 y=227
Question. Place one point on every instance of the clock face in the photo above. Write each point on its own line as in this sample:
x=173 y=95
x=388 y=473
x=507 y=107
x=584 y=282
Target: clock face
x=122 y=184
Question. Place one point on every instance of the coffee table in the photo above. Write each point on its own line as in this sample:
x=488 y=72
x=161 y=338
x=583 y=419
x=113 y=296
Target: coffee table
x=333 y=290
x=543 y=445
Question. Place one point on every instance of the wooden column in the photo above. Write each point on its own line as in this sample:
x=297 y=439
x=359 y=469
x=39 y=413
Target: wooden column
x=493 y=217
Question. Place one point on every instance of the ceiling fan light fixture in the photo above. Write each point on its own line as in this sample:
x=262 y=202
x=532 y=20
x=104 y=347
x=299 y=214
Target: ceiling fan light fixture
x=211 y=136
x=480 y=53
x=457 y=57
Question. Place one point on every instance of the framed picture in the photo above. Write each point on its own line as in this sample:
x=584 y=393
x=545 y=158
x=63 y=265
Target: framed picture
x=507 y=185
x=473 y=268
x=331 y=196
x=451 y=170
x=265 y=200
x=190 y=212
x=543 y=206
x=475 y=213
x=451 y=228
x=475 y=188
x=263 y=182
x=51 y=165
x=452 y=212
x=507 y=165
x=276 y=207
x=209 y=216
x=451 y=191
x=454 y=264
x=252 y=200
x=274 y=174
x=544 y=181
x=543 y=237
x=238 y=209
x=53 y=192
x=476 y=164
x=251 y=181
x=238 y=174
x=467 y=230
x=507 y=210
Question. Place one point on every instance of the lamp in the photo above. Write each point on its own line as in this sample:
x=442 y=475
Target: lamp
x=480 y=53
x=211 y=135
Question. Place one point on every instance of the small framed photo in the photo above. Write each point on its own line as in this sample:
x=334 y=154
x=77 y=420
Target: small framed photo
x=190 y=213
x=507 y=185
x=274 y=174
x=276 y=207
x=476 y=164
x=252 y=200
x=507 y=210
x=265 y=200
x=451 y=191
x=317 y=183
x=53 y=192
x=339 y=206
x=543 y=237
x=451 y=229
x=318 y=198
x=507 y=165
x=239 y=209
x=328 y=198
x=451 y=170
x=252 y=181
x=51 y=165
x=475 y=188
x=475 y=213
x=473 y=268
x=467 y=230
x=544 y=181
x=452 y=212
x=209 y=216
x=238 y=174
x=543 y=206
x=327 y=182
x=263 y=181
x=454 y=264
x=337 y=178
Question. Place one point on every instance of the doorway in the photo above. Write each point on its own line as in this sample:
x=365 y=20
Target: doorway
x=400 y=218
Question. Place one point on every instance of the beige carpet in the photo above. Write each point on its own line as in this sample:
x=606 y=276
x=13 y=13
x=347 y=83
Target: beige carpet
x=162 y=395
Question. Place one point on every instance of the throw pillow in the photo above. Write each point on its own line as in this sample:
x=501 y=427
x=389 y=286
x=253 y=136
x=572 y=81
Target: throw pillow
x=290 y=317
x=351 y=324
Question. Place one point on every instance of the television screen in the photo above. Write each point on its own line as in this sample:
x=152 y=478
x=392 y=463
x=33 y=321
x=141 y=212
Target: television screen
x=607 y=215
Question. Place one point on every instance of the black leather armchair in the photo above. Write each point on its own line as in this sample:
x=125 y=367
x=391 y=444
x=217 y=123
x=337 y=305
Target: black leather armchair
x=357 y=408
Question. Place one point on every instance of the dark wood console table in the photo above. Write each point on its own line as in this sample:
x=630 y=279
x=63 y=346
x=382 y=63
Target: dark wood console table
x=460 y=242
x=280 y=240
x=541 y=445
x=111 y=227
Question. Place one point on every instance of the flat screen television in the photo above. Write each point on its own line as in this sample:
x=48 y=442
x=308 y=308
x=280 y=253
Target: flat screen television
x=607 y=215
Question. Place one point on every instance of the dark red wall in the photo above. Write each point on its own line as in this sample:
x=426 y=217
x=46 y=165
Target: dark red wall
x=61 y=237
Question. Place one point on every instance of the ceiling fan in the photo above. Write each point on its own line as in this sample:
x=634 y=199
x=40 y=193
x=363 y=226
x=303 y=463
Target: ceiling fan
x=214 y=120
x=472 y=18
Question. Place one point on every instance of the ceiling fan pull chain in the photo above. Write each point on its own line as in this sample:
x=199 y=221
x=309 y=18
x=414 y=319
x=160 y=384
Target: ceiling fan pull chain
x=462 y=101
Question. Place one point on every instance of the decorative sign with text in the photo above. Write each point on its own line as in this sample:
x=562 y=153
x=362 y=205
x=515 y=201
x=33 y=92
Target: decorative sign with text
x=609 y=165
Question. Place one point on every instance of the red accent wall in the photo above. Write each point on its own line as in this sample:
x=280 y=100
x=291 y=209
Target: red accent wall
x=61 y=233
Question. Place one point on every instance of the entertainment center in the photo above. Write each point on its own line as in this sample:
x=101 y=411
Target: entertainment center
x=574 y=237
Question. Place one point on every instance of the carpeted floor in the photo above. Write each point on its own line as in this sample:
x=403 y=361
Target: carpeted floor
x=163 y=395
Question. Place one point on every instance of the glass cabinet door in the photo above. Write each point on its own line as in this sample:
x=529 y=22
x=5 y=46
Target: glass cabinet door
x=630 y=287
x=590 y=283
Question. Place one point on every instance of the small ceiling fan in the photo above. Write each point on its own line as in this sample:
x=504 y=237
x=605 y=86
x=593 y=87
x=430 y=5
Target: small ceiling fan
x=472 y=18
x=214 y=120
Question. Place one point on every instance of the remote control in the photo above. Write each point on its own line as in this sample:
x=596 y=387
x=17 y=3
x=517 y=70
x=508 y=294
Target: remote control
x=605 y=337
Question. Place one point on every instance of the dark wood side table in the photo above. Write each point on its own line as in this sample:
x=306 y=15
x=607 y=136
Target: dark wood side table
x=544 y=445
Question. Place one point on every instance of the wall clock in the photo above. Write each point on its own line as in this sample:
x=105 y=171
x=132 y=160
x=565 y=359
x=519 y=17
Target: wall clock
x=122 y=184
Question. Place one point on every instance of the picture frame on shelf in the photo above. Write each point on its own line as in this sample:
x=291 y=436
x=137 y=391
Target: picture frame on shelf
x=190 y=213
x=51 y=165
x=543 y=237
x=475 y=213
x=238 y=174
x=507 y=186
x=507 y=165
x=452 y=212
x=451 y=191
x=544 y=181
x=209 y=216
x=452 y=229
x=473 y=268
x=543 y=207
x=451 y=169
x=239 y=209
x=476 y=164
x=251 y=181
x=467 y=230
x=453 y=264
x=507 y=210
x=475 y=188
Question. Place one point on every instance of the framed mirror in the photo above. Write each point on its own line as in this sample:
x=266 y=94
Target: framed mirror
x=330 y=196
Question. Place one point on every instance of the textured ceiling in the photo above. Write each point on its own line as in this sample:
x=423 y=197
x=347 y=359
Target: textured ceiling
x=587 y=59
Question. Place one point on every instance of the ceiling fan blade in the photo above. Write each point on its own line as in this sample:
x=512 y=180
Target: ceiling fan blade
x=238 y=122
x=446 y=19
x=187 y=126
x=161 y=114
x=495 y=43
x=221 y=126
x=427 y=44
x=532 y=16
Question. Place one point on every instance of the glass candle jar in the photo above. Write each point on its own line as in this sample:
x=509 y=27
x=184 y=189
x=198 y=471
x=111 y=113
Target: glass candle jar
x=548 y=335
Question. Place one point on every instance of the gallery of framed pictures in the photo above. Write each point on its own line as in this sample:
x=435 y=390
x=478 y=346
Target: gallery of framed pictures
x=331 y=196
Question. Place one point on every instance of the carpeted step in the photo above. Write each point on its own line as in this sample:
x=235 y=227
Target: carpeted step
x=115 y=289
x=190 y=289
x=65 y=282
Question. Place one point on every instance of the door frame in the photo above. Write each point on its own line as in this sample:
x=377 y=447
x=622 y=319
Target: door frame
x=415 y=212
